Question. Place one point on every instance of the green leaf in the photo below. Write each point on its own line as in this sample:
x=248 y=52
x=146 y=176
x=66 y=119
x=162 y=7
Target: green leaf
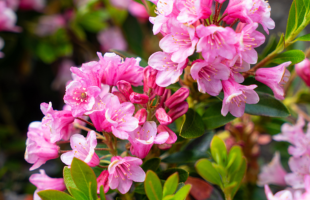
x=291 y=22
x=304 y=38
x=238 y=176
x=206 y=170
x=267 y=106
x=124 y=54
x=167 y=173
x=151 y=164
x=54 y=195
x=271 y=46
x=82 y=175
x=192 y=125
x=169 y=197
x=186 y=156
x=153 y=187
x=183 y=192
x=234 y=159
x=171 y=184
x=213 y=118
x=295 y=56
x=68 y=179
x=94 y=21
x=102 y=194
x=77 y=194
x=219 y=151
x=301 y=11
x=280 y=46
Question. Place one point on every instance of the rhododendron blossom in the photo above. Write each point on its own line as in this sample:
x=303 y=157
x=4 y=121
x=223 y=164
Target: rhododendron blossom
x=302 y=69
x=8 y=18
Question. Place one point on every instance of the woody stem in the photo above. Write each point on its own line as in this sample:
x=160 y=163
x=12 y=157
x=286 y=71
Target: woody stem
x=87 y=122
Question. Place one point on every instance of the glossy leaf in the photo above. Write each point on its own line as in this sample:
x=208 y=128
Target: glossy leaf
x=182 y=193
x=153 y=187
x=68 y=179
x=219 y=151
x=167 y=173
x=82 y=175
x=77 y=194
x=192 y=125
x=151 y=164
x=102 y=194
x=280 y=46
x=171 y=184
x=304 y=38
x=291 y=22
x=186 y=156
x=267 y=106
x=206 y=170
x=295 y=56
x=238 y=176
x=54 y=195
x=234 y=159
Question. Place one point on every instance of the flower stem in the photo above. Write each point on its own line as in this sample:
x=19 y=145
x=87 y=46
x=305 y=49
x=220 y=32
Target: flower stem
x=102 y=149
x=87 y=122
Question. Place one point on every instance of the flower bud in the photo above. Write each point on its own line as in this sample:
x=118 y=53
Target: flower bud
x=102 y=180
x=172 y=136
x=178 y=110
x=149 y=78
x=159 y=90
x=177 y=98
x=164 y=97
x=164 y=146
x=303 y=70
x=162 y=117
x=138 y=98
x=125 y=88
x=141 y=116
x=120 y=96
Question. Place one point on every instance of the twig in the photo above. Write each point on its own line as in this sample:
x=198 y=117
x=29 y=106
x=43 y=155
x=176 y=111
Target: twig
x=292 y=78
x=99 y=136
x=104 y=167
x=102 y=149
x=234 y=23
x=87 y=122
x=64 y=151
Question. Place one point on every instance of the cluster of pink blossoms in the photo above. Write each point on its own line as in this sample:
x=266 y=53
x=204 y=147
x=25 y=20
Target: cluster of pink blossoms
x=299 y=178
x=190 y=26
x=102 y=90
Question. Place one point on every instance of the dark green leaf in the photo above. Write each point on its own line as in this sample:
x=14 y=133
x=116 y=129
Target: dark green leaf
x=165 y=174
x=206 y=170
x=295 y=56
x=82 y=175
x=182 y=193
x=213 y=118
x=151 y=164
x=267 y=106
x=234 y=159
x=68 y=179
x=54 y=195
x=186 y=156
x=303 y=97
x=301 y=11
x=192 y=125
x=124 y=54
x=77 y=194
x=238 y=176
x=304 y=38
x=201 y=144
x=292 y=20
x=171 y=184
x=153 y=187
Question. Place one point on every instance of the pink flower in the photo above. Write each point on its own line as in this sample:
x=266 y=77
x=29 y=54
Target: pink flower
x=168 y=71
x=178 y=110
x=1 y=46
x=80 y=95
x=275 y=78
x=123 y=171
x=37 y=5
x=63 y=75
x=83 y=149
x=172 y=136
x=236 y=96
x=216 y=41
x=149 y=78
x=238 y=9
x=114 y=69
x=282 y=195
x=112 y=38
x=89 y=72
x=110 y=115
x=39 y=149
x=56 y=122
x=177 y=98
x=13 y=4
x=306 y=195
x=48 y=25
x=193 y=10
x=273 y=173
x=141 y=115
x=237 y=65
x=302 y=69
x=138 y=10
x=165 y=7
x=180 y=42
x=249 y=39
x=162 y=117
x=137 y=98
x=143 y=138
x=8 y=18
x=44 y=182
x=209 y=75
x=300 y=168
x=103 y=180
x=125 y=88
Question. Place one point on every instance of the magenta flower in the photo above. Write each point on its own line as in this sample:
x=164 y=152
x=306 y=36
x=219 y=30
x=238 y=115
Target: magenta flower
x=49 y=24
x=178 y=110
x=168 y=71
x=302 y=69
x=249 y=39
x=110 y=115
x=162 y=117
x=143 y=138
x=138 y=98
x=112 y=38
x=273 y=173
x=237 y=65
x=149 y=78
x=177 y=98
x=275 y=78
x=83 y=149
x=180 y=42
x=193 y=10
x=114 y=69
x=300 y=168
x=165 y=7
x=282 y=195
x=141 y=115
x=56 y=122
x=236 y=96
x=306 y=195
x=8 y=18
x=123 y=171
x=125 y=88
x=159 y=23
x=138 y=10
x=44 y=182
x=103 y=180
x=172 y=136
x=209 y=75
x=39 y=149
x=80 y=96
x=238 y=9
x=37 y=5
x=216 y=41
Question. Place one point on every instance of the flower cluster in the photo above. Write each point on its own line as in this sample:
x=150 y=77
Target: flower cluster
x=299 y=164
x=190 y=26
x=102 y=90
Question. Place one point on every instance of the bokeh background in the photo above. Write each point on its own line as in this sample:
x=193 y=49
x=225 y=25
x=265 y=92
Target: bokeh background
x=36 y=64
